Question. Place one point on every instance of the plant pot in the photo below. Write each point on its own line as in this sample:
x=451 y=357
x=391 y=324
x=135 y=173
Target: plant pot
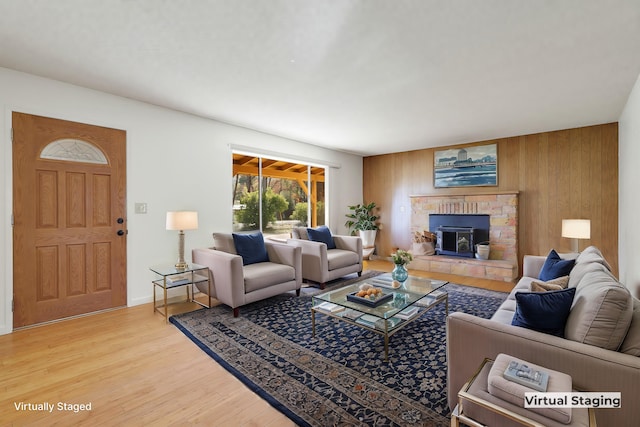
x=482 y=251
x=368 y=238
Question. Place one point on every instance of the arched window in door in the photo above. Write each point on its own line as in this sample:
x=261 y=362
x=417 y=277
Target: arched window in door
x=73 y=150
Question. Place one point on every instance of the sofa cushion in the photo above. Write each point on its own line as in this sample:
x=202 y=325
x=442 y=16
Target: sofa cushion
x=550 y=285
x=507 y=309
x=505 y=313
x=592 y=254
x=251 y=247
x=578 y=272
x=509 y=305
x=523 y=285
x=503 y=316
x=299 y=233
x=264 y=274
x=224 y=242
x=601 y=311
x=322 y=234
x=555 y=267
x=338 y=258
x=543 y=312
x=631 y=343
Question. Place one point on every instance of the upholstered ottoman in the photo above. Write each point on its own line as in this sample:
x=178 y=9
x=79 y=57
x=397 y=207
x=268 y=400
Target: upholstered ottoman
x=488 y=399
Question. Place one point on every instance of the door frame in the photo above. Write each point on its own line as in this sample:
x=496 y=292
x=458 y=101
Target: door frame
x=6 y=182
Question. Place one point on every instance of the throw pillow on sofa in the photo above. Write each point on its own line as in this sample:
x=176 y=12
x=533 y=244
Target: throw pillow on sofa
x=251 y=248
x=555 y=267
x=551 y=285
x=322 y=234
x=543 y=311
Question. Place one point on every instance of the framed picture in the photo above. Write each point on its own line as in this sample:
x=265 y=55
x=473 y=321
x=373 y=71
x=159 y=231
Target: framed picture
x=466 y=167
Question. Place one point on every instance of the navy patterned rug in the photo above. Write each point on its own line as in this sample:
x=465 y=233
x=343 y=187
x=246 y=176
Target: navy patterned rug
x=339 y=377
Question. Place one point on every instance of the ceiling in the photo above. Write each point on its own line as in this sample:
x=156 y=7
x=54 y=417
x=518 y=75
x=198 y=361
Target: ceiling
x=250 y=165
x=362 y=76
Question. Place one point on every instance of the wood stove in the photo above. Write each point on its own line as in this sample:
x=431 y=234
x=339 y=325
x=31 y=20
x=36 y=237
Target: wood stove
x=457 y=234
x=456 y=241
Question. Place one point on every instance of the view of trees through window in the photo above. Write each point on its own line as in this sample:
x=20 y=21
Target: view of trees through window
x=274 y=195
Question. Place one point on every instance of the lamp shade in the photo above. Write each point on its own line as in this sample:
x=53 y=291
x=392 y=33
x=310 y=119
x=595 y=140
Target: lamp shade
x=576 y=228
x=182 y=220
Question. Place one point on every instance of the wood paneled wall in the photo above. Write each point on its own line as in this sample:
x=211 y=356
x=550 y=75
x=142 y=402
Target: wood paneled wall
x=561 y=174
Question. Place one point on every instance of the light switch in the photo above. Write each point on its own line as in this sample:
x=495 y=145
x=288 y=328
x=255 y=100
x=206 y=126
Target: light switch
x=141 y=208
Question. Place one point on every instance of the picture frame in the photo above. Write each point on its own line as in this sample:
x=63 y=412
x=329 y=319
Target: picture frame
x=475 y=166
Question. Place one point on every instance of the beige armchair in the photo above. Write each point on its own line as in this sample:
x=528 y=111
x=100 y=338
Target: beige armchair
x=235 y=284
x=320 y=264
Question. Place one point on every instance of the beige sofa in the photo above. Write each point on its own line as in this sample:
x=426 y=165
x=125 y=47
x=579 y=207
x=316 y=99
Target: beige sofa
x=600 y=351
x=321 y=265
x=235 y=284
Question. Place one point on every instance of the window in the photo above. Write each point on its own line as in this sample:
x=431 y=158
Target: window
x=73 y=150
x=274 y=195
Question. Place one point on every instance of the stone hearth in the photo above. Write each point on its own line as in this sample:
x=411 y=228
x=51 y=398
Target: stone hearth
x=503 y=233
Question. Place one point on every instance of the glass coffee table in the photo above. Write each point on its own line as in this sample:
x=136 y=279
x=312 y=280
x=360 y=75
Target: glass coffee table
x=411 y=300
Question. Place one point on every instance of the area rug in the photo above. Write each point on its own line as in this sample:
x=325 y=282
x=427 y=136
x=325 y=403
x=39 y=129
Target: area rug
x=340 y=376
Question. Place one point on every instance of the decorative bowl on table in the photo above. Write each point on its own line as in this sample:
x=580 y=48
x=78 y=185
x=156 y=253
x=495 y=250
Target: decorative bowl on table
x=370 y=296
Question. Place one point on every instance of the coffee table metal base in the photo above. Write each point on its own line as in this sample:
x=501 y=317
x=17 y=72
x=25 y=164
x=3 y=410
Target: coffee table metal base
x=386 y=333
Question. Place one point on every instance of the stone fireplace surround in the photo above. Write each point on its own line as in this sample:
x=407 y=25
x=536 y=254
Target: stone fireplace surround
x=503 y=233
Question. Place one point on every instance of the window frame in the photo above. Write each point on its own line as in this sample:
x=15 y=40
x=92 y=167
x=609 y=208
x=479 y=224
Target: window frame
x=310 y=187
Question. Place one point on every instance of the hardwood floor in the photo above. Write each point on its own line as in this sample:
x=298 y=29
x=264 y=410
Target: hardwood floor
x=132 y=369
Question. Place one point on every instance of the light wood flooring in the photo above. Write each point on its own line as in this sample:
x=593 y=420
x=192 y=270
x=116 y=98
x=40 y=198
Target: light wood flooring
x=133 y=369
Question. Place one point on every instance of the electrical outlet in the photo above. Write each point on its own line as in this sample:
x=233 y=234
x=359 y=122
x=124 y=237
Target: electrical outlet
x=141 y=208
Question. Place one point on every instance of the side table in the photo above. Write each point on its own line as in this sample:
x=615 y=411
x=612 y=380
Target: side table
x=169 y=277
x=495 y=411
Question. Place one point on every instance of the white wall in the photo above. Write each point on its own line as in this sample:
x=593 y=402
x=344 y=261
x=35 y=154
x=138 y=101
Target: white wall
x=175 y=161
x=629 y=196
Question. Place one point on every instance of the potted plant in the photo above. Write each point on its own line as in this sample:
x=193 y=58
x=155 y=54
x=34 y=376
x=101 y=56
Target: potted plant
x=363 y=220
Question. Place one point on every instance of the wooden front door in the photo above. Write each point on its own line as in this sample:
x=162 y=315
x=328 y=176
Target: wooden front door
x=69 y=233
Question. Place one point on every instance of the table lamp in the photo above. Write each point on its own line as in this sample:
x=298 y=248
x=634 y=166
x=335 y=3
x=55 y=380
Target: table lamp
x=182 y=220
x=576 y=229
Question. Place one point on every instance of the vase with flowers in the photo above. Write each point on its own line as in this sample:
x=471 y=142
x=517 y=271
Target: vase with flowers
x=401 y=258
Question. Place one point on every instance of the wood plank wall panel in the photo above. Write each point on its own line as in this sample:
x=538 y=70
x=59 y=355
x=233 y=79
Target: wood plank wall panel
x=561 y=174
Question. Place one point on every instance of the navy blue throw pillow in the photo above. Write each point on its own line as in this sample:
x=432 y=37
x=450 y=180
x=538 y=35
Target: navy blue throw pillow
x=544 y=311
x=555 y=267
x=321 y=234
x=251 y=248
